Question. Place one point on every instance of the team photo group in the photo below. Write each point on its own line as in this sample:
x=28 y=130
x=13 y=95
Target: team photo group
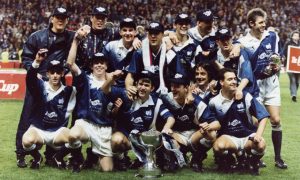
x=197 y=86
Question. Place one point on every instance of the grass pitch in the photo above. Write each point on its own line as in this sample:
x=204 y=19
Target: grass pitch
x=290 y=114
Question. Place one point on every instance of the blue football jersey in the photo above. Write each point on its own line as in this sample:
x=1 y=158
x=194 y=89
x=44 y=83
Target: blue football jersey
x=119 y=59
x=260 y=51
x=235 y=116
x=52 y=108
x=181 y=59
x=189 y=116
x=243 y=70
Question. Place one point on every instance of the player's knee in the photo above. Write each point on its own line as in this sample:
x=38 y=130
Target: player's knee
x=27 y=140
x=73 y=135
x=275 y=120
x=276 y=127
x=117 y=139
x=219 y=146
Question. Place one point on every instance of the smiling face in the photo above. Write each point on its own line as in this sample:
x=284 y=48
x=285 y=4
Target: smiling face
x=182 y=28
x=179 y=92
x=98 y=22
x=99 y=68
x=259 y=25
x=127 y=34
x=205 y=27
x=59 y=23
x=229 y=83
x=202 y=77
x=144 y=87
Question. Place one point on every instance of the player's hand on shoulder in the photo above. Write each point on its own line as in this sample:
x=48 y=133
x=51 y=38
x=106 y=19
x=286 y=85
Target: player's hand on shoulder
x=131 y=92
x=238 y=94
x=136 y=44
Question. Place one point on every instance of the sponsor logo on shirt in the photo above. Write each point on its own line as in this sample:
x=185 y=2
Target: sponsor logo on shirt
x=234 y=123
x=51 y=115
x=96 y=102
x=137 y=120
x=183 y=118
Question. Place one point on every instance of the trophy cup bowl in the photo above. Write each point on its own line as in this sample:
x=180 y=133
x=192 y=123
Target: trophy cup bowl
x=152 y=139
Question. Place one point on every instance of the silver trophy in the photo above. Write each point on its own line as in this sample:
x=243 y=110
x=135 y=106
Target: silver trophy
x=275 y=62
x=152 y=139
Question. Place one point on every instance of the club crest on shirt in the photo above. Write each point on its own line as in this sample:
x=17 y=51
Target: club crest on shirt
x=240 y=107
x=268 y=46
x=61 y=101
x=148 y=113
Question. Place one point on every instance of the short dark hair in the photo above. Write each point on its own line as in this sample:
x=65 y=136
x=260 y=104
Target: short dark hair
x=145 y=80
x=208 y=67
x=223 y=71
x=254 y=13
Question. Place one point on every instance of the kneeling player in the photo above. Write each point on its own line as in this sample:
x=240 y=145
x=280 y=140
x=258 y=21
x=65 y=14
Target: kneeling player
x=238 y=133
x=54 y=102
x=195 y=126
x=141 y=114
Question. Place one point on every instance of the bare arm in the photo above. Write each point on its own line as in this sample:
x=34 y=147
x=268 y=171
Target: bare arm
x=130 y=88
x=168 y=126
x=260 y=130
x=111 y=77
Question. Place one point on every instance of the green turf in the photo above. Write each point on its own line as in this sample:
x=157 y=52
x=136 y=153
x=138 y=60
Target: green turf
x=10 y=112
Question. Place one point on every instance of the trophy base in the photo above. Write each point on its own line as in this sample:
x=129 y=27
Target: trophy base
x=149 y=173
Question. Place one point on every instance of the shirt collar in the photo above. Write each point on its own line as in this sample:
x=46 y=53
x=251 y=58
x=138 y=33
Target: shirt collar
x=49 y=88
x=121 y=45
x=250 y=37
x=138 y=103
x=223 y=99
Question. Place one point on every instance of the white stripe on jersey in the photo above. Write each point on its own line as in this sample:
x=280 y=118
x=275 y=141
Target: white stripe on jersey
x=199 y=111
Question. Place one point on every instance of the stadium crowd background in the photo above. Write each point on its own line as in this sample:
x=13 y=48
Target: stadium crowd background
x=19 y=18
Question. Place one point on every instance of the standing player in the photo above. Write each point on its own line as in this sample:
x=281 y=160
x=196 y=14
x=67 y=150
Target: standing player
x=294 y=77
x=151 y=58
x=55 y=42
x=241 y=64
x=54 y=104
x=119 y=52
x=180 y=58
x=261 y=45
x=235 y=117
x=96 y=39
